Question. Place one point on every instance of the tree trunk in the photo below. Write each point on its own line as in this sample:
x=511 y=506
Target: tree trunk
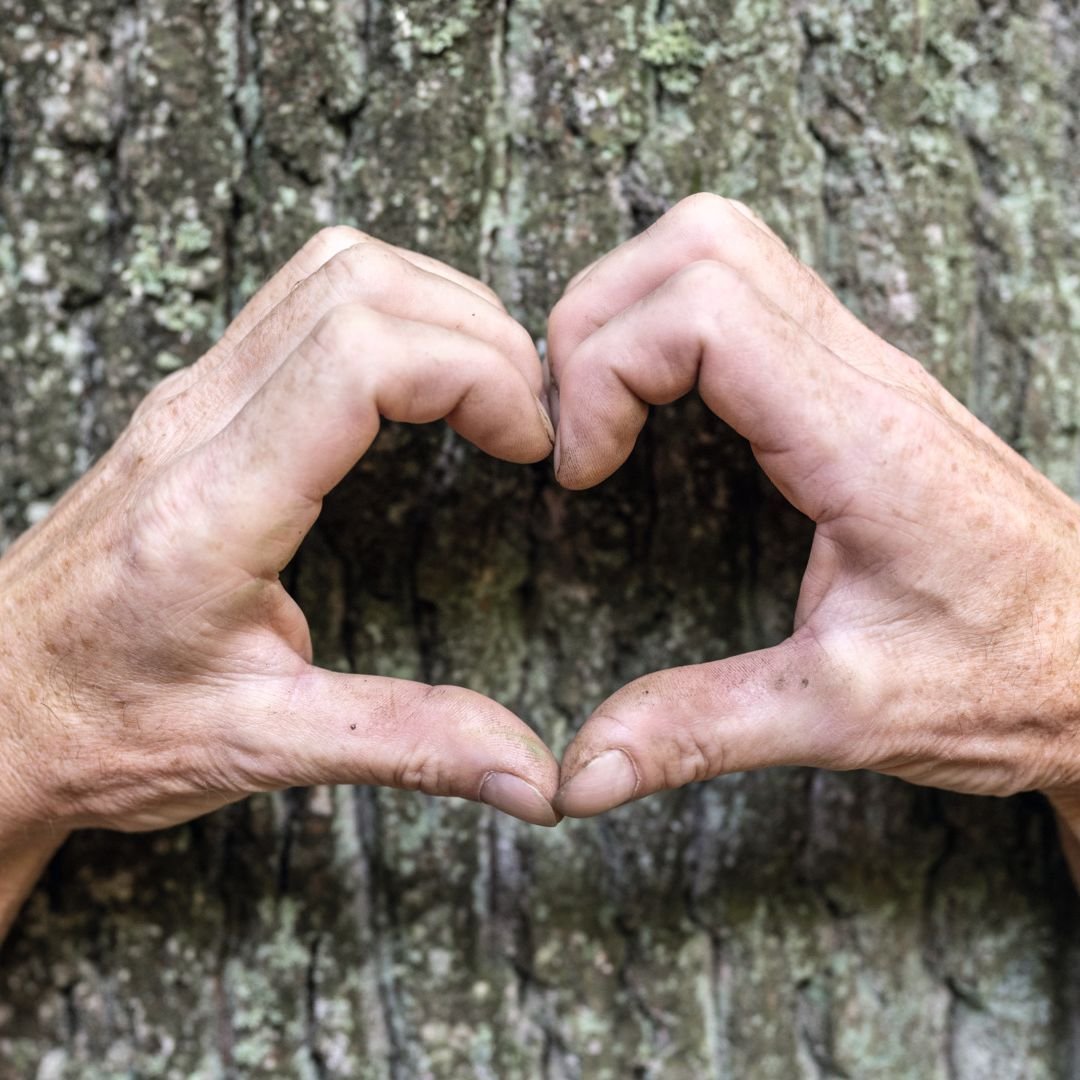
x=158 y=158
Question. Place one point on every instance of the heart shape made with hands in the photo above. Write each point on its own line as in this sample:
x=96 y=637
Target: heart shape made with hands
x=932 y=539
x=930 y=533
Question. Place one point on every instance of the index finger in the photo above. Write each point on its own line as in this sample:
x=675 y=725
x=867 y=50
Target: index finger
x=259 y=483
x=707 y=227
x=312 y=257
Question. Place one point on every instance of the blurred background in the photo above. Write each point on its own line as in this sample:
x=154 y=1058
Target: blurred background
x=159 y=158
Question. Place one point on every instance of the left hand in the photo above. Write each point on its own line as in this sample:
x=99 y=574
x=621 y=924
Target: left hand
x=153 y=666
x=937 y=630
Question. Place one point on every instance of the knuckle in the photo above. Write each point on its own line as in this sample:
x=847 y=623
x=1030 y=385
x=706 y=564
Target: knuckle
x=159 y=427
x=683 y=752
x=702 y=209
x=421 y=767
x=420 y=770
x=331 y=240
x=340 y=329
x=169 y=387
x=701 y=219
x=690 y=758
x=159 y=520
x=162 y=420
x=368 y=269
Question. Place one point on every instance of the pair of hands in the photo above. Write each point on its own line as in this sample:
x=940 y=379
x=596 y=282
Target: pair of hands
x=154 y=668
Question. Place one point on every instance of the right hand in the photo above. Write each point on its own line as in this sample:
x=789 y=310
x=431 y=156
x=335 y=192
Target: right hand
x=935 y=635
x=153 y=666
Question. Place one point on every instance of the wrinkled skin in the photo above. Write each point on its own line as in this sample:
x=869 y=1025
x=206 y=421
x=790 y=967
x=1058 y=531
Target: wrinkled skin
x=937 y=632
x=156 y=668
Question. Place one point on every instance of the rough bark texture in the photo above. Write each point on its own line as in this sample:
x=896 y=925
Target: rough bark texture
x=159 y=157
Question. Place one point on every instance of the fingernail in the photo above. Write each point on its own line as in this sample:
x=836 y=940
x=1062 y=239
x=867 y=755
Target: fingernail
x=518 y=798
x=546 y=420
x=609 y=780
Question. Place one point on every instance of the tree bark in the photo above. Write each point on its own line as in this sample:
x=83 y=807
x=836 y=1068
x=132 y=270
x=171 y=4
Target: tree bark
x=158 y=158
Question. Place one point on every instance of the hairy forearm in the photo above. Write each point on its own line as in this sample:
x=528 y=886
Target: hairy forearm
x=23 y=856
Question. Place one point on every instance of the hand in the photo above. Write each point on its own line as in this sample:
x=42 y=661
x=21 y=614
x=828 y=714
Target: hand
x=153 y=667
x=937 y=631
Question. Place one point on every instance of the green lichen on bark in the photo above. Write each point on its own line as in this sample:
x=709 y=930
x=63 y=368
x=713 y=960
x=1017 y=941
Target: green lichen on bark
x=158 y=159
x=676 y=52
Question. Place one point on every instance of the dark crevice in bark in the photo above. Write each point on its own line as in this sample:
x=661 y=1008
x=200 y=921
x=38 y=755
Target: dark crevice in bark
x=294 y=800
x=829 y=154
x=657 y=98
x=932 y=890
x=498 y=146
x=746 y=485
x=986 y=333
x=436 y=488
x=956 y=1003
x=509 y=879
x=990 y=328
x=311 y=1001
x=691 y=900
x=375 y=903
x=116 y=1025
x=350 y=126
x=92 y=438
x=996 y=326
x=71 y=1013
x=382 y=929
x=231 y=898
x=248 y=78
x=223 y=1037
x=426 y=625
x=7 y=171
x=293 y=169
x=653 y=1022
x=644 y=206
x=349 y=123
x=813 y=1031
x=1065 y=965
x=935 y=950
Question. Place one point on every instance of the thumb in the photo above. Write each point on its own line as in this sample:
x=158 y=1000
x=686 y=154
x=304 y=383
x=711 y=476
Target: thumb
x=675 y=727
x=330 y=728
